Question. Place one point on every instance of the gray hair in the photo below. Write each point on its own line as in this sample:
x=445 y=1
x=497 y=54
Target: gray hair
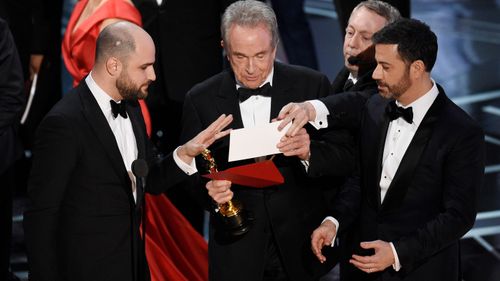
x=249 y=13
x=381 y=8
x=115 y=40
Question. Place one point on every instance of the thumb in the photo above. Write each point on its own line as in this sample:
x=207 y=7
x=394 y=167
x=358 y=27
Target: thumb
x=369 y=245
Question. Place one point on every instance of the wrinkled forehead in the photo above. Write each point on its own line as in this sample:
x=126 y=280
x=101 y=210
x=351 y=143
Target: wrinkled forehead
x=364 y=19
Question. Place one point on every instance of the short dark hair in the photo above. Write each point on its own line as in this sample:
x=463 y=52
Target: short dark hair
x=415 y=41
x=115 y=40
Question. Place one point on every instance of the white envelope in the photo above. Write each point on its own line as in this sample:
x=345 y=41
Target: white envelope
x=255 y=142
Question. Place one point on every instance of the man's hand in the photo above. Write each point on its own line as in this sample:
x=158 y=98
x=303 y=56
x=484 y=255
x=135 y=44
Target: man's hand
x=297 y=113
x=298 y=145
x=322 y=236
x=382 y=259
x=219 y=190
x=204 y=139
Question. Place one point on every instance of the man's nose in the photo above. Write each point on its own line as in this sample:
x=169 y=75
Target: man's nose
x=376 y=75
x=151 y=74
x=250 y=67
x=354 y=41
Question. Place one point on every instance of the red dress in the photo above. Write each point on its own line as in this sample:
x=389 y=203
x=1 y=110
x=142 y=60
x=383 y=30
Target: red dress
x=175 y=251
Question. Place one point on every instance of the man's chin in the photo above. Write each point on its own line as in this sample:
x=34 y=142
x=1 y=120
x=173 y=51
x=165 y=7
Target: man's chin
x=351 y=68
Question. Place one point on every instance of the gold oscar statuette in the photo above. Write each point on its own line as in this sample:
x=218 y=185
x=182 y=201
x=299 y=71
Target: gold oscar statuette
x=232 y=218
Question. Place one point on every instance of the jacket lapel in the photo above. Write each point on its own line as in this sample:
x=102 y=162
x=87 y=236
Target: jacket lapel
x=280 y=95
x=135 y=115
x=374 y=164
x=404 y=175
x=227 y=99
x=103 y=133
x=340 y=79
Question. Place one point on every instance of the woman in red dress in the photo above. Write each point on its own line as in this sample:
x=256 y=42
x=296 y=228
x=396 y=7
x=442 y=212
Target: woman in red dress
x=175 y=251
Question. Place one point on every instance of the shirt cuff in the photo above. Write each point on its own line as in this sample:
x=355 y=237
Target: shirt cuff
x=396 y=266
x=189 y=169
x=322 y=113
x=336 y=223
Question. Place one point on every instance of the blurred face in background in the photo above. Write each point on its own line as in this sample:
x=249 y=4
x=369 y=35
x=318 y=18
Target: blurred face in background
x=363 y=23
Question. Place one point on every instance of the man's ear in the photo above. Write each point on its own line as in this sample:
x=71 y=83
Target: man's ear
x=113 y=66
x=222 y=43
x=417 y=68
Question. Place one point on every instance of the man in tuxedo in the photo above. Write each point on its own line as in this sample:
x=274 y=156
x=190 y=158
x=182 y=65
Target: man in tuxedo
x=84 y=220
x=11 y=106
x=276 y=247
x=354 y=78
x=421 y=167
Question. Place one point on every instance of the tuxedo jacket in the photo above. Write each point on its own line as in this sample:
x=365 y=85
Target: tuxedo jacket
x=290 y=211
x=432 y=200
x=83 y=223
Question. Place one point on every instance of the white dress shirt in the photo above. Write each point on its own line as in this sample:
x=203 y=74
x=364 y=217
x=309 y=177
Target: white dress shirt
x=256 y=110
x=124 y=134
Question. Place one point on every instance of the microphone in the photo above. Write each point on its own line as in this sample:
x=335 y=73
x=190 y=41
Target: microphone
x=365 y=60
x=354 y=60
x=140 y=170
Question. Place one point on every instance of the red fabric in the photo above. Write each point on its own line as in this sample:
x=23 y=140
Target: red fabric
x=78 y=46
x=180 y=253
x=175 y=251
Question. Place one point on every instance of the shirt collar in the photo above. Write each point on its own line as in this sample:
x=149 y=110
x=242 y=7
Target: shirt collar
x=269 y=80
x=422 y=104
x=354 y=79
x=100 y=95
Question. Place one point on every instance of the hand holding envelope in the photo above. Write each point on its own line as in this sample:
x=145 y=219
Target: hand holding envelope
x=256 y=142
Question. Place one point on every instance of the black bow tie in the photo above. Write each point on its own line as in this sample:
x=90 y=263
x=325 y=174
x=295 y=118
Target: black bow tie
x=348 y=85
x=118 y=108
x=394 y=112
x=245 y=93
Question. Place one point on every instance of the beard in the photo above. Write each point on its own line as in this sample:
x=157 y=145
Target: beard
x=128 y=90
x=397 y=90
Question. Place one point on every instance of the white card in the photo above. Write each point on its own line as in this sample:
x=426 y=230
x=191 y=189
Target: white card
x=255 y=142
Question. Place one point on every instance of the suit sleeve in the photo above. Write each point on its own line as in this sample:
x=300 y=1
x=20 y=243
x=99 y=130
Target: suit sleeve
x=164 y=173
x=332 y=149
x=346 y=108
x=191 y=126
x=55 y=158
x=462 y=178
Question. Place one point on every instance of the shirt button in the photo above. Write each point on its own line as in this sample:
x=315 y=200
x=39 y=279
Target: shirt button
x=320 y=123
